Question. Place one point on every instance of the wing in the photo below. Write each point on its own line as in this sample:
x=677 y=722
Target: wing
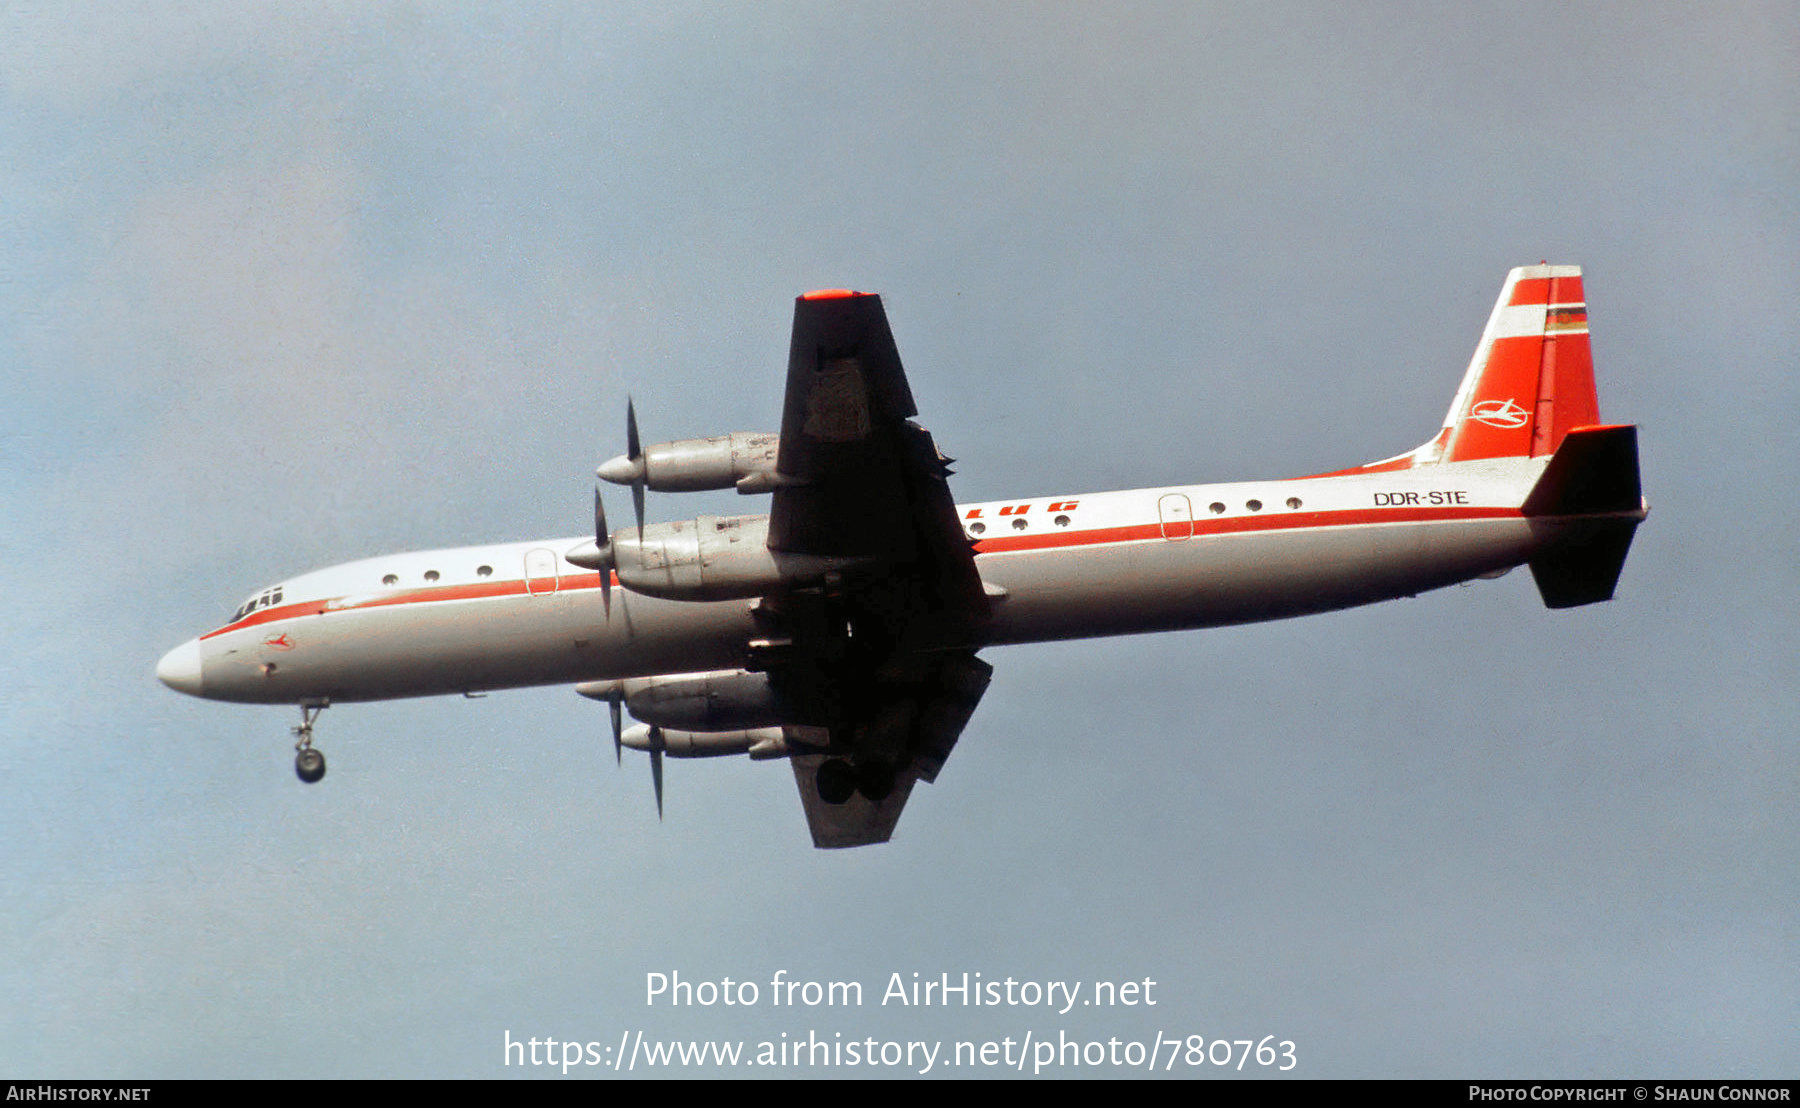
x=858 y=821
x=923 y=719
x=855 y=477
x=886 y=649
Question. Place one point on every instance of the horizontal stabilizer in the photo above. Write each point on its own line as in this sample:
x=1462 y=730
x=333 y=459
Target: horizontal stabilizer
x=1586 y=569
x=1595 y=471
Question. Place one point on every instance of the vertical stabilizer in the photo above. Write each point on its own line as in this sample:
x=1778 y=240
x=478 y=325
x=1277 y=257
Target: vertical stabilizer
x=1532 y=378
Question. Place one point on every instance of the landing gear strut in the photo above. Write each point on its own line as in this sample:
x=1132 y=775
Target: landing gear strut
x=309 y=764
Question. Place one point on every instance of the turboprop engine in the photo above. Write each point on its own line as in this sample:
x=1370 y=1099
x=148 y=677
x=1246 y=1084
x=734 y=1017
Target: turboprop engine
x=761 y=743
x=708 y=558
x=744 y=459
x=714 y=714
x=722 y=700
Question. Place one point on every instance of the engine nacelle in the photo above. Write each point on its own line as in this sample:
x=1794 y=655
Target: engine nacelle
x=711 y=558
x=745 y=459
x=729 y=700
x=760 y=743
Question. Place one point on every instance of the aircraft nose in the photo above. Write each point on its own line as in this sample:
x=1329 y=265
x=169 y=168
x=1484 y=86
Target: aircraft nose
x=180 y=668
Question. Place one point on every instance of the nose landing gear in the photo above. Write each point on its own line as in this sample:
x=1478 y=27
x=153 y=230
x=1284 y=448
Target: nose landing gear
x=309 y=764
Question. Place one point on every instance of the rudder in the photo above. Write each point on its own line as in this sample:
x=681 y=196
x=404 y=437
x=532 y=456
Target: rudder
x=1531 y=380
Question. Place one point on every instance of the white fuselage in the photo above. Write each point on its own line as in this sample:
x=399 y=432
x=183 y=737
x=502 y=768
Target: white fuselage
x=490 y=617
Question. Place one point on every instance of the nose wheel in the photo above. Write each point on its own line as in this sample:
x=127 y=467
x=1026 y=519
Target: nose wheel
x=309 y=764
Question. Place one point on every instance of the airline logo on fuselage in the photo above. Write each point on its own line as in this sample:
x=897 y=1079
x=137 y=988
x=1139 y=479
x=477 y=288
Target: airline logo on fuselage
x=279 y=642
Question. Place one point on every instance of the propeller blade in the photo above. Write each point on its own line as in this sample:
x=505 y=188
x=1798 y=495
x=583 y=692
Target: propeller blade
x=635 y=451
x=618 y=722
x=604 y=544
x=656 y=766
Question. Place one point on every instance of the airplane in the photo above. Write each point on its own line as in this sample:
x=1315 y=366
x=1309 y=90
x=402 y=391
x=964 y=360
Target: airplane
x=840 y=631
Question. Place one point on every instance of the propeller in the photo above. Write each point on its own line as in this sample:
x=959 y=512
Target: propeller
x=616 y=705
x=650 y=739
x=630 y=468
x=656 y=765
x=613 y=692
x=634 y=451
x=603 y=544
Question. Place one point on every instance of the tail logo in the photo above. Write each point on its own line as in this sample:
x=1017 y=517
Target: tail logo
x=1499 y=413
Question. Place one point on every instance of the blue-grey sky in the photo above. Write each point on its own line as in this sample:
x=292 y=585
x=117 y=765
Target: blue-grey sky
x=282 y=287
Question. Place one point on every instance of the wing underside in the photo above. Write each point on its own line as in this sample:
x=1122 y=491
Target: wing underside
x=858 y=821
x=902 y=731
x=889 y=638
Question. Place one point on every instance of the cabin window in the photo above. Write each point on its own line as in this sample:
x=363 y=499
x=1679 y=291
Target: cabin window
x=1216 y=508
x=484 y=571
x=1293 y=502
x=1019 y=523
x=431 y=575
x=1253 y=505
x=978 y=527
x=1062 y=521
x=390 y=579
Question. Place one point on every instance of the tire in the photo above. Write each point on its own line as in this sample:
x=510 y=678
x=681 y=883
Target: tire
x=309 y=766
x=836 y=781
x=875 y=780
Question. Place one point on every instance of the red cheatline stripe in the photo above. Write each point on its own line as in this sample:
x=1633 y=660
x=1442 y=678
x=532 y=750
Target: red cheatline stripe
x=478 y=591
x=1276 y=520
x=829 y=294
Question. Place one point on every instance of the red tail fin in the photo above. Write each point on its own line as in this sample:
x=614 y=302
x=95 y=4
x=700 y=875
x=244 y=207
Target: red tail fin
x=1532 y=377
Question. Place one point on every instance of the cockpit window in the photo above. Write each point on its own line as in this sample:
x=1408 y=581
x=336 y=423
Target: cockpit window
x=268 y=598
